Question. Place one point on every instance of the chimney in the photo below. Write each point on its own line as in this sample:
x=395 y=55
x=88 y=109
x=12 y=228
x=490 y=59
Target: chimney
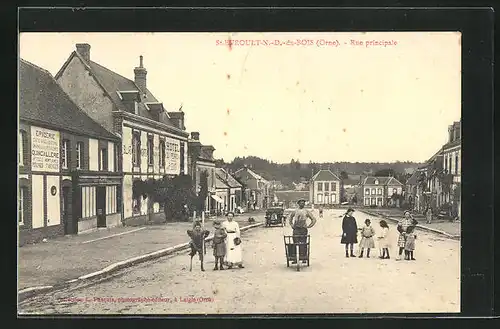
x=140 y=76
x=177 y=118
x=83 y=49
x=195 y=135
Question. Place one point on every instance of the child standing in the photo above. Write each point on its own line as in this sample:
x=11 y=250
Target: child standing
x=197 y=235
x=219 y=244
x=320 y=212
x=410 y=243
x=367 y=233
x=383 y=240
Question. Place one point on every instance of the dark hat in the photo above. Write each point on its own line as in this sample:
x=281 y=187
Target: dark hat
x=350 y=210
x=197 y=223
x=237 y=241
x=299 y=200
x=406 y=211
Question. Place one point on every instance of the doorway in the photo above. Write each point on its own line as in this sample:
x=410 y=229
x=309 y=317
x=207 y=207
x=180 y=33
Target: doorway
x=101 y=206
x=69 y=225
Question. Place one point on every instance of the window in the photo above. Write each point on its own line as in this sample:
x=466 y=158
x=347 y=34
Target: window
x=373 y=191
x=79 y=155
x=136 y=148
x=367 y=191
x=446 y=163
x=150 y=151
x=117 y=157
x=64 y=154
x=376 y=182
x=374 y=201
x=449 y=164
x=22 y=137
x=88 y=201
x=136 y=205
x=162 y=154
x=367 y=201
x=22 y=194
x=327 y=187
x=103 y=164
x=320 y=198
x=394 y=191
x=379 y=202
x=320 y=186
x=111 y=199
x=456 y=163
x=182 y=157
x=379 y=191
x=333 y=197
x=334 y=186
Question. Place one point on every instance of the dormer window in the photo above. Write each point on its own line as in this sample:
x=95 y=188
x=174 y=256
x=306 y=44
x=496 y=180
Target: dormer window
x=376 y=182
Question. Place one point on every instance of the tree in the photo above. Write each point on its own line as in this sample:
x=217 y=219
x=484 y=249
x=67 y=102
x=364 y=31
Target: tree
x=385 y=172
x=354 y=199
x=344 y=175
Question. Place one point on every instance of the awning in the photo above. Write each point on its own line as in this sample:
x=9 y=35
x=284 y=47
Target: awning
x=217 y=198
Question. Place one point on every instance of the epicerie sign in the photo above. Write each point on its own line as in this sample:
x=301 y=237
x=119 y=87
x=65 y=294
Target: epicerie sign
x=173 y=158
x=45 y=152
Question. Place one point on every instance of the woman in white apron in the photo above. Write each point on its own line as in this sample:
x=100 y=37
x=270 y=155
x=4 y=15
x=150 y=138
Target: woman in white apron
x=234 y=255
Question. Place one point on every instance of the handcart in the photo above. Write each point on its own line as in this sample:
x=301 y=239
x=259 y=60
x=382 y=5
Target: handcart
x=294 y=244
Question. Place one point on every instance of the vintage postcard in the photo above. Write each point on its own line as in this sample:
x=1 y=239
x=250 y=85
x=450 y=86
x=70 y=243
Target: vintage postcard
x=239 y=173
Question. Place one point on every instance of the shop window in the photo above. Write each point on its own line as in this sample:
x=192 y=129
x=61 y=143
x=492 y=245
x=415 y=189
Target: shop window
x=103 y=164
x=79 y=155
x=136 y=149
x=65 y=153
x=111 y=200
x=88 y=201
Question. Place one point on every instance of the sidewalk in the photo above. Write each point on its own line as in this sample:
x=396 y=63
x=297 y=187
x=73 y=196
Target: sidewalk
x=70 y=257
x=451 y=228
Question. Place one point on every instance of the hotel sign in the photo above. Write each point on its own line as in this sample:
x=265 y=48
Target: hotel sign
x=173 y=156
x=45 y=151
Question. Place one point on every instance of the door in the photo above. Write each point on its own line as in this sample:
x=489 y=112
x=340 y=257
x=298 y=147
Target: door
x=101 y=206
x=69 y=226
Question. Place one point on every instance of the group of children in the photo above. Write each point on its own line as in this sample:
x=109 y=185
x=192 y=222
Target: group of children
x=367 y=242
x=198 y=235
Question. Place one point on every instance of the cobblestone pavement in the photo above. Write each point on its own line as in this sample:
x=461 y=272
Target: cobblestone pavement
x=332 y=284
x=69 y=257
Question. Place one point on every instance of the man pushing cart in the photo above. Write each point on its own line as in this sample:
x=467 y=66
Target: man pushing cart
x=300 y=237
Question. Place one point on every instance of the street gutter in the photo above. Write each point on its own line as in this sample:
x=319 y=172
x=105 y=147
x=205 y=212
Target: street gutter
x=421 y=227
x=34 y=291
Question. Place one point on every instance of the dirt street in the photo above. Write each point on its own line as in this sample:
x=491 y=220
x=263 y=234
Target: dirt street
x=332 y=284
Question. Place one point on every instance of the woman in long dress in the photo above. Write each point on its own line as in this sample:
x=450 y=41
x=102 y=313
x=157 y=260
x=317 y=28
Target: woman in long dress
x=349 y=232
x=234 y=255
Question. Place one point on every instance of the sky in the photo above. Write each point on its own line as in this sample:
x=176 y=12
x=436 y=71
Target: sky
x=327 y=100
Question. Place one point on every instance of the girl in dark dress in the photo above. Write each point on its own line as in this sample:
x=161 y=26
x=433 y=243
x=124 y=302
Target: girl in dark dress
x=349 y=232
x=219 y=244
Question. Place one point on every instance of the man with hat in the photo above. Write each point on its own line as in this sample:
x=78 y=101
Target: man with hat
x=298 y=222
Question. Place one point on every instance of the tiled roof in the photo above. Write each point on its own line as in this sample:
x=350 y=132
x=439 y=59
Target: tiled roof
x=370 y=180
x=227 y=178
x=452 y=144
x=112 y=82
x=251 y=173
x=42 y=100
x=325 y=175
x=413 y=180
x=219 y=183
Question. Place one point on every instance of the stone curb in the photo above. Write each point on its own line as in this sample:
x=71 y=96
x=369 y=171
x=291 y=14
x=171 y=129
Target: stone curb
x=421 y=227
x=34 y=291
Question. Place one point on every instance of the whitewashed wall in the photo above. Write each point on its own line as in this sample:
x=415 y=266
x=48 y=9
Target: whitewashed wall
x=53 y=201
x=127 y=150
x=127 y=196
x=111 y=156
x=37 y=202
x=93 y=154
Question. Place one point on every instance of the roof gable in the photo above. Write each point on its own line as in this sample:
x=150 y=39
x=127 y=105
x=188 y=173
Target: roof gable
x=113 y=83
x=325 y=175
x=227 y=178
x=42 y=100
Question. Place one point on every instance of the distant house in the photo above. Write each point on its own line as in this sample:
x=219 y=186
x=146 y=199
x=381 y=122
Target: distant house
x=452 y=156
x=201 y=159
x=379 y=191
x=256 y=188
x=228 y=189
x=300 y=186
x=324 y=188
x=276 y=185
x=290 y=198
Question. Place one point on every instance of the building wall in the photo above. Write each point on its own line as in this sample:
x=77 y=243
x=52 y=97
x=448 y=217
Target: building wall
x=83 y=89
x=144 y=170
x=43 y=213
x=320 y=193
